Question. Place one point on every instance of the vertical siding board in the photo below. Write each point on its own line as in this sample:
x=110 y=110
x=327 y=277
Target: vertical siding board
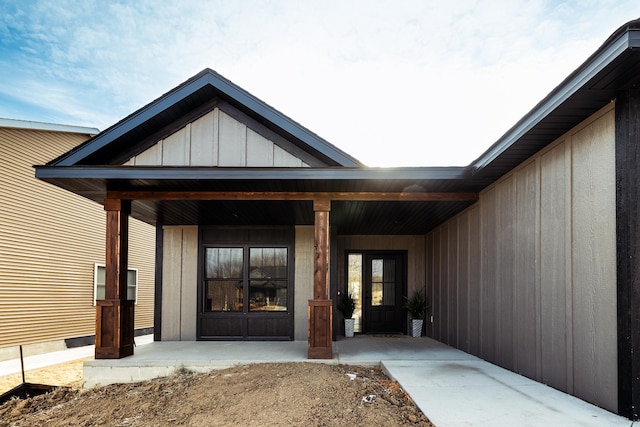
x=202 y=147
x=175 y=149
x=443 y=268
x=475 y=280
x=525 y=307
x=505 y=276
x=437 y=285
x=232 y=149
x=594 y=261
x=282 y=158
x=452 y=283
x=171 y=281
x=259 y=150
x=151 y=157
x=553 y=264
x=490 y=268
x=189 y=284
x=430 y=281
x=304 y=255
x=462 y=258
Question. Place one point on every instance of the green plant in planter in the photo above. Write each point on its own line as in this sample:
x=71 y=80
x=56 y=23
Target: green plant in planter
x=346 y=305
x=417 y=304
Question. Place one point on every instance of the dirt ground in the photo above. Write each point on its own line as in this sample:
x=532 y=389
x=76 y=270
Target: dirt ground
x=278 y=394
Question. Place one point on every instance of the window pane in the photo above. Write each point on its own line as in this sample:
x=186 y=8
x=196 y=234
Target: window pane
x=376 y=294
x=223 y=263
x=132 y=283
x=223 y=295
x=376 y=270
x=355 y=288
x=383 y=286
x=100 y=281
x=268 y=295
x=377 y=275
x=101 y=275
x=268 y=263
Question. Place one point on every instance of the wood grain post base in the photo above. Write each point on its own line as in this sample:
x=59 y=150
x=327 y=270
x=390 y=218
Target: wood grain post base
x=320 y=321
x=114 y=329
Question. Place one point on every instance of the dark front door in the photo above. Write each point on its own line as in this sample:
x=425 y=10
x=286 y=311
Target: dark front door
x=384 y=283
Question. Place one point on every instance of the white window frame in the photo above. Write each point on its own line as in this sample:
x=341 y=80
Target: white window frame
x=96 y=266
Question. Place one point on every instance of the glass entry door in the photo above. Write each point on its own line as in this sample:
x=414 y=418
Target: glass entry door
x=384 y=284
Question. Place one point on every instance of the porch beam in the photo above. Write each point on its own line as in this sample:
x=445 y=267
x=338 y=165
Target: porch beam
x=289 y=195
x=115 y=314
x=320 y=313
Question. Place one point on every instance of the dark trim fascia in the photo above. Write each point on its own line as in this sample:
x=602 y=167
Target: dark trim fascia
x=204 y=173
x=627 y=153
x=228 y=89
x=604 y=56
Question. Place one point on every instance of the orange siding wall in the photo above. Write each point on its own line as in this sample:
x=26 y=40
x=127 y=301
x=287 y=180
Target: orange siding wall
x=49 y=242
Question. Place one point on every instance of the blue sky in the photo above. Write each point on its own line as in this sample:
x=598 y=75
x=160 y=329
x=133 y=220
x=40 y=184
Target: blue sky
x=393 y=83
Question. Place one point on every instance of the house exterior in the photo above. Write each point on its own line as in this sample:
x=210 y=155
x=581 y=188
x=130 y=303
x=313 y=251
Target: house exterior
x=529 y=254
x=49 y=265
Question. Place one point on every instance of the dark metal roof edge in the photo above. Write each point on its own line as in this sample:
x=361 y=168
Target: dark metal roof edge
x=626 y=37
x=207 y=76
x=204 y=173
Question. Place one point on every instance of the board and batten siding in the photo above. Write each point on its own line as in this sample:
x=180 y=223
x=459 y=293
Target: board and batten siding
x=50 y=240
x=216 y=139
x=303 y=279
x=179 y=283
x=526 y=277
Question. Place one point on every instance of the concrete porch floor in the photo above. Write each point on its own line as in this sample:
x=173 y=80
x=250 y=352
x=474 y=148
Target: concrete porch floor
x=451 y=387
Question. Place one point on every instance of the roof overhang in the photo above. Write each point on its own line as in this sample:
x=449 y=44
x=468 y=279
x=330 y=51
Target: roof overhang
x=614 y=67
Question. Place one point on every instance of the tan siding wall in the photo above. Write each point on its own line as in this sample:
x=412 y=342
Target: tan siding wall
x=533 y=265
x=49 y=242
x=179 y=283
x=216 y=139
x=303 y=279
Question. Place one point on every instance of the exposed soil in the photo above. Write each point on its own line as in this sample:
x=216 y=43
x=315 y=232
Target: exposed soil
x=278 y=394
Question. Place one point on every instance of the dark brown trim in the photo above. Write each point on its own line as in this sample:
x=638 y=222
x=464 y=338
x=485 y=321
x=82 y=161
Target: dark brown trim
x=157 y=306
x=292 y=195
x=627 y=136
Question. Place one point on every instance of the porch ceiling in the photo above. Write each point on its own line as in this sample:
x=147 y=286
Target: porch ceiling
x=349 y=217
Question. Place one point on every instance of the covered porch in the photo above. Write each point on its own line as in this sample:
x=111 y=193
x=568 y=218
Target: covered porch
x=449 y=386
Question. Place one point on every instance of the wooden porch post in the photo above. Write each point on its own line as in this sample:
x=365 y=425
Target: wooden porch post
x=114 y=314
x=320 y=307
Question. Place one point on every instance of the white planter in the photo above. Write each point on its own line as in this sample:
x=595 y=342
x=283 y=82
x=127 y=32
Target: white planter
x=416 y=327
x=348 y=327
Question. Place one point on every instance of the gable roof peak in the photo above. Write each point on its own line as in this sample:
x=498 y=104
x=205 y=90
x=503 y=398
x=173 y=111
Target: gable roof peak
x=189 y=98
